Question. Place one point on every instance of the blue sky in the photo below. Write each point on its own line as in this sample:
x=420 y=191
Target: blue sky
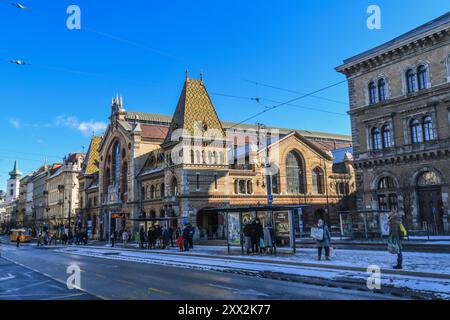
x=142 y=48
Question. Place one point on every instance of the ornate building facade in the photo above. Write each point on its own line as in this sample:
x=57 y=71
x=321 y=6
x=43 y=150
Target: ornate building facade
x=159 y=166
x=400 y=117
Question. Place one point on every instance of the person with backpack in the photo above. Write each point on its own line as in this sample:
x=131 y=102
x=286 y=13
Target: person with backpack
x=396 y=232
x=323 y=241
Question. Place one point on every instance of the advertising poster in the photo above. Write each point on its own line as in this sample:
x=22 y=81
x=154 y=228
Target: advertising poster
x=384 y=224
x=234 y=228
x=282 y=229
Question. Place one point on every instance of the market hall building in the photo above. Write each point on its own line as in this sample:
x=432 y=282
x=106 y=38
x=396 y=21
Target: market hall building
x=187 y=165
x=400 y=118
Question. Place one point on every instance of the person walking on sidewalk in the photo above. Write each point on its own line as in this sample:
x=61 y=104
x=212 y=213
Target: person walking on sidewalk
x=18 y=239
x=113 y=238
x=141 y=238
x=248 y=232
x=268 y=238
x=186 y=236
x=258 y=235
x=125 y=237
x=395 y=235
x=325 y=242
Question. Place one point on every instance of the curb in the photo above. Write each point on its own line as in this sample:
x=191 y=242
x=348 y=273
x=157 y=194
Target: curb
x=288 y=263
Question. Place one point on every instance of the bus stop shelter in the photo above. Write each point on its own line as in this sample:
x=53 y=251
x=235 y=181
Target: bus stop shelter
x=279 y=216
x=368 y=224
x=166 y=220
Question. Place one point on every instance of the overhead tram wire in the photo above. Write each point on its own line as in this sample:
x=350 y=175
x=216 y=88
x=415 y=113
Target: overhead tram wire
x=258 y=99
x=267 y=109
x=293 y=91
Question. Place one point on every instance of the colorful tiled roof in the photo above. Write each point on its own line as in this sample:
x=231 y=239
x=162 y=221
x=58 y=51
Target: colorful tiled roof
x=154 y=132
x=194 y=108
x=93 y=157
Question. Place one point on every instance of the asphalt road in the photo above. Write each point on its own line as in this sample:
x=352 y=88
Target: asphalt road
x=114 y=279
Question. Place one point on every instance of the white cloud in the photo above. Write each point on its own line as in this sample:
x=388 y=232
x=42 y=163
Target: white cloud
x=15 y=123
x=86 y=127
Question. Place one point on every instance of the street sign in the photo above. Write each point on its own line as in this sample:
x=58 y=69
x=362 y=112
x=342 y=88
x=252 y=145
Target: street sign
x=270 y=199
x=117 y=215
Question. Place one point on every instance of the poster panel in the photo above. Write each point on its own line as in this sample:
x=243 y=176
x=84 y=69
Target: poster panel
x=282 y=229
x=234 y=228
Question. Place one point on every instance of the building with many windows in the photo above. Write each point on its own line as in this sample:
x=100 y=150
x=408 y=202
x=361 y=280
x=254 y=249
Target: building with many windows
x=400 y=117
x=190 y=164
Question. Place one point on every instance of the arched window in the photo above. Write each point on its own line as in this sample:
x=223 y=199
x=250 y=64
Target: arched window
x=249 y=187
x=410 y=80
x=142 y=193
x=422 y=77
x=197 y=157
x=221 y=159
x=236 y=186
x=152 y=192
x=416 y=131
x=387 y=137
x=372 y=93
x=448 y=68
x=203 y=157
x=318 y=181
x=116 y=163
x=147 y=192
x=295 y=173
x=428 y=134
x=174 y=187
x=124 y=182
x=376 y=139
x=210 y=158
x=387 y=198
x=192 y=157
x=386 y=183
x=163 y=190
x=381 y=89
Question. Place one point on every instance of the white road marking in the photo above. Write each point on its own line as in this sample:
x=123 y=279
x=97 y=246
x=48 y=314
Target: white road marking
x=9 y=277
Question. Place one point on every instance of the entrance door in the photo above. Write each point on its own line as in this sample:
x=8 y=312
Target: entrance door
x=430 y=209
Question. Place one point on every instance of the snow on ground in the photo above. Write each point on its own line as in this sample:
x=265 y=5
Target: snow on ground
x=440 y=286
x=438 y=263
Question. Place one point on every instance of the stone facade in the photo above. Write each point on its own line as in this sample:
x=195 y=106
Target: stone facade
x=156 y=166
x=400 y=117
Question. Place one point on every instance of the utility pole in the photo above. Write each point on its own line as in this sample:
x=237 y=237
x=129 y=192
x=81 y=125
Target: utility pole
x=266 y=162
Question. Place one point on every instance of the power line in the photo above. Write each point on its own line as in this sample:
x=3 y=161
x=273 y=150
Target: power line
x=293 y=91
x=288 y=102
x=258 y=99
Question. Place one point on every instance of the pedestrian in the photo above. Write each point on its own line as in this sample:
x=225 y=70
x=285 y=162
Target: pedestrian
x=186 y=233
x=257 y=235
x=171 y=236
x=268 y=238
x=70 y=236
x=18 y=239
x=159 y=236
x=141 y=238
x=324 y=242
x=180 y=242
x=125 y=237
x=248 y=232
x=39 y=239
x=395 y=235
x=165 y=237
x=191 y=236
x=113 y=238
x=151 y=237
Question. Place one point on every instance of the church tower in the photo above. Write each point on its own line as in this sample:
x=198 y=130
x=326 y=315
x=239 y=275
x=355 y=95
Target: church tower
x=13 y=183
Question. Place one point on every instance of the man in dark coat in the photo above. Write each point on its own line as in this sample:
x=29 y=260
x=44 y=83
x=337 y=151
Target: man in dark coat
x=258 y=233
x=142 y=237
x=186 y=232
x=151 y=237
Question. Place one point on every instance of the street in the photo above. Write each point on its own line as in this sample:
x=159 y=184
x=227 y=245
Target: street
x=111 y=279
